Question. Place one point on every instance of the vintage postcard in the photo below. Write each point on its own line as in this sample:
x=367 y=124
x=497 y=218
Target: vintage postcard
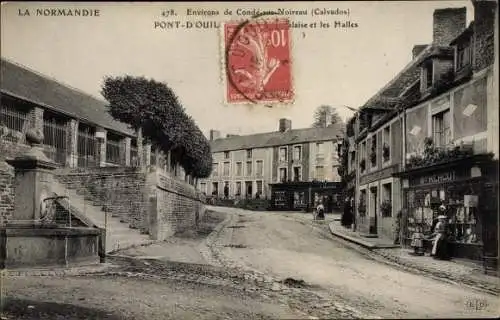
x=249 y=160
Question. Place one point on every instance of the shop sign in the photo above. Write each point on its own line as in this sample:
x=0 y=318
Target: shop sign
x=436 y=178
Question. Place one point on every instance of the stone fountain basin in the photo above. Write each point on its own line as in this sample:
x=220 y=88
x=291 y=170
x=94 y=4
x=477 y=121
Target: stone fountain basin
x=42 y=246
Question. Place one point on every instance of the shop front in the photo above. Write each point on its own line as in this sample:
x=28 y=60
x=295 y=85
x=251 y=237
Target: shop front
x=466 y=192
x=297 y=196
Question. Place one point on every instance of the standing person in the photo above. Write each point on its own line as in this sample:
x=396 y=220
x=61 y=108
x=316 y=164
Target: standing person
x=440 y=245
x=346 y=219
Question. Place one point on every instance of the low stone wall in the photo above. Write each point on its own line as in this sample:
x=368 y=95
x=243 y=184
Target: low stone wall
x=154 y=202
x=174 y=205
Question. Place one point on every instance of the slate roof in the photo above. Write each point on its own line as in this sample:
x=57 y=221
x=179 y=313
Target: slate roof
x=271 y=139
x=22 y=83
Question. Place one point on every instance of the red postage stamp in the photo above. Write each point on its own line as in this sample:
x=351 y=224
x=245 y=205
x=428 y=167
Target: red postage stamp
x=257 y=62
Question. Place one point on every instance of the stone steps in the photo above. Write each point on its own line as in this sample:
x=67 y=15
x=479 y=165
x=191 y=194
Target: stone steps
x=119 y=234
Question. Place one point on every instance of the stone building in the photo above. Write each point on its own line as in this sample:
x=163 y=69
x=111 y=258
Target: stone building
x=101 y=165
x=247 y=166
x=428 y=138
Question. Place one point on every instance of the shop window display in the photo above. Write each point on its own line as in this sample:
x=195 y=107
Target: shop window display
x=461 y=208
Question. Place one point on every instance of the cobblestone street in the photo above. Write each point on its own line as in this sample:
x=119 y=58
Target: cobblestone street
x=253 y=265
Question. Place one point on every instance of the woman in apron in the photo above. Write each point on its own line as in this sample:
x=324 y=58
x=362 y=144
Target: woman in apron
x=440 y=245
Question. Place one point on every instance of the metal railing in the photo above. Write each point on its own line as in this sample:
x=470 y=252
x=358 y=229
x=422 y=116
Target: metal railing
x=55 y=142
x=88 y=149
x=114 y=152
x=14 y=123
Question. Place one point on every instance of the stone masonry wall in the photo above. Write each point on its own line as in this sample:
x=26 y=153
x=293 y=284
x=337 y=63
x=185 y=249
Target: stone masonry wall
x=8 y=150
x=155 y=203
x=120 y=191
x=175 y=206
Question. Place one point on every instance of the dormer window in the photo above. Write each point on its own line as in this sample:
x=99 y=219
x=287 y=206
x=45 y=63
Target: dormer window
x=463 y=56
x=427 y=70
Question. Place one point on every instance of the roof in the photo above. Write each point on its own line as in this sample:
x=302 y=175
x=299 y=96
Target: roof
x=271 y=139
x=23 y=83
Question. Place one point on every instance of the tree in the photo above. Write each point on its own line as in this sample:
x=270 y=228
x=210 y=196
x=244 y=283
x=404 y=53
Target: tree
x=326 y=116
x=153 y=108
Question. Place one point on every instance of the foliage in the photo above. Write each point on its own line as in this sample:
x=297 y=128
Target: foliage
x=320 y=115
x=386 y=151
x=153 y=107
x=386 y=208
x=433 y=155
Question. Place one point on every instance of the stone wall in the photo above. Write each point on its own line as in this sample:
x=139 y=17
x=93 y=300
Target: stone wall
x=174 y=205
x=120 y=191
x=155 y=203
x=8 y=150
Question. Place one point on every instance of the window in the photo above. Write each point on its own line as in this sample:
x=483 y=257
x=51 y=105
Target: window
x=249 y=168
x=463 y=56
x=249 y=153
x=260 y=188
x=373 y=151
x=226 y=154
x=215 y=188
x=215 y=169
x=363 y=150
x=353 y=157
x=239 y=169
x=248 y=186
x=203 y=187
x=441 y=131
x=319 y=148
x=320 y=175
x=226 y=169
x=297 y=153
x=238 y=188
x=283 y=175
x=226 y=189
x=386 y=144
x=299 y=200
x=260 y=168
x=283 y=157
x=297 y=174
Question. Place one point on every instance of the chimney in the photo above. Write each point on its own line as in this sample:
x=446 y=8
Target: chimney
x=214 y=135
x=285 y=125
x=417 y=49
x=484 y=33
x=448 y=24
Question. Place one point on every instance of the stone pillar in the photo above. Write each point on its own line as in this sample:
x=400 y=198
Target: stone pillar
x=72 y=143
x=140 y=148
x=128 y=142
x=32 y=183
x=36 y=120
x=147 y=154
x=101 y=135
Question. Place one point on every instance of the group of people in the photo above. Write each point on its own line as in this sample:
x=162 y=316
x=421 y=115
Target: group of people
x=439 y=237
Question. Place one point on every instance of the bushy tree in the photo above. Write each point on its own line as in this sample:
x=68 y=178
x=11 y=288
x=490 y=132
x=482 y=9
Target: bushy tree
x=154 y=108
x=324 y=112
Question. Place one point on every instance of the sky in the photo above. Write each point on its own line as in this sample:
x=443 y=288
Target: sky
x=336 y=67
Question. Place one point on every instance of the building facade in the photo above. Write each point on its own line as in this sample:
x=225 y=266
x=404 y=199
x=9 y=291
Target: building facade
x=427 y=140
x=77 y=130
x=247 y=166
